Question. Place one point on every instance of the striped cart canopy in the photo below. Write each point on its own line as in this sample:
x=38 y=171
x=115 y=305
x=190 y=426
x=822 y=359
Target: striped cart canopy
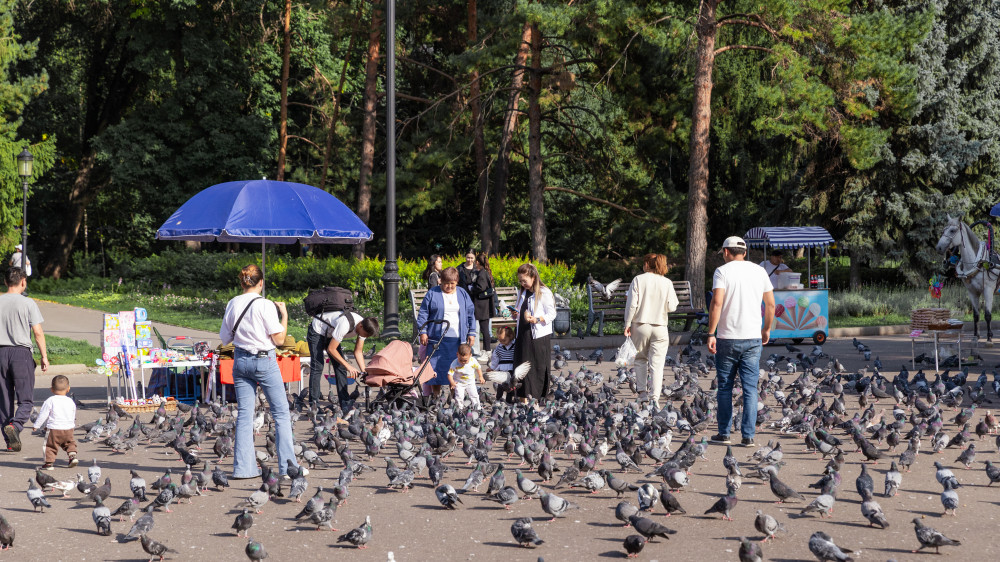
x=788 y=237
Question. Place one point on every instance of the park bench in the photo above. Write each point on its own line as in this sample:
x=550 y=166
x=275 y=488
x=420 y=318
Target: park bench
x=600 y=309
x=507 y=294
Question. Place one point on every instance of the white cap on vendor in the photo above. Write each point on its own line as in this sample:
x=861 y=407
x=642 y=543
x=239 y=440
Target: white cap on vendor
x=734 y=242
x=18 y=247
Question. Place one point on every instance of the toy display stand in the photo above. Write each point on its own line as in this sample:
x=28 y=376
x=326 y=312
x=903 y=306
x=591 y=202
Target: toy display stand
x=170 y=405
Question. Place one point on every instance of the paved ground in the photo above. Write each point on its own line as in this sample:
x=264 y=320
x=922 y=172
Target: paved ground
x=414 y=526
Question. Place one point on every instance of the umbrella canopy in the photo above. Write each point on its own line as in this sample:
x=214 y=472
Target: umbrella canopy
x=788 y=237
x=995 y=211
x=265 y=211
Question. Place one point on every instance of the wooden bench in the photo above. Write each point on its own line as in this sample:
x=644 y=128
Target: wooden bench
x=600 y=309
x=507 y=294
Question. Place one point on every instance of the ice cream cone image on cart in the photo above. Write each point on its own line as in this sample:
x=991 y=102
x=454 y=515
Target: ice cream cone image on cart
x=812 y=312
x=818 y=324
x=780 y=318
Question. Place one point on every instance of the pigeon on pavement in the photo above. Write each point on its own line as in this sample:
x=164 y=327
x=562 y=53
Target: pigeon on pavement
x=524 y=534
x=823 y=548
x=931 y=538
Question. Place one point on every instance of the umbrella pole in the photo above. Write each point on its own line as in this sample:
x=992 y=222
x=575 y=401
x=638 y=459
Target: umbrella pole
x=263 y=267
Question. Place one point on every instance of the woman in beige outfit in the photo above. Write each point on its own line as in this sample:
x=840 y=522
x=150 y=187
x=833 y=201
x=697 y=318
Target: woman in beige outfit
x=649 y=299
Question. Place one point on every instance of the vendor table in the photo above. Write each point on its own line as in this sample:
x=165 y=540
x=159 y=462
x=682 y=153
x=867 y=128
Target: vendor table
x=938 y=339
x=291 y=370
x=202 y=365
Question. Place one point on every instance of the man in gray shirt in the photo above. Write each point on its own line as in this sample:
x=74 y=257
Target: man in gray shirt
x=19 y=318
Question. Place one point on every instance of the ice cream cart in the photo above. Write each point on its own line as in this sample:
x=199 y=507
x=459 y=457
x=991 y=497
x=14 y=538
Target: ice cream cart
x=801 y=310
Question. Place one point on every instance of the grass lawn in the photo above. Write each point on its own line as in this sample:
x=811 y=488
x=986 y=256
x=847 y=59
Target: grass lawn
x=64 y=351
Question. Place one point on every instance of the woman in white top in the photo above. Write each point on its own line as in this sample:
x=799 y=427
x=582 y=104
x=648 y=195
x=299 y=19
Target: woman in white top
x=535 y=310
x=648 y=301
x=253 y=325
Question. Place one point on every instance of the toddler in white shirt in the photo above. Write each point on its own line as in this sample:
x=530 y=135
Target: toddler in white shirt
x=58 y=417
x=463 y=375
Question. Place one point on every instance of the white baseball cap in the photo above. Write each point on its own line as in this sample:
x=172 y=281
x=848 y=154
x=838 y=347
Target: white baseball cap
x=18 y=247
x=734 y=242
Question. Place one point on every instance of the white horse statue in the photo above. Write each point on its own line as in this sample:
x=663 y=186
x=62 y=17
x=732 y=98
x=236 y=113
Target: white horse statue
x=980 y=281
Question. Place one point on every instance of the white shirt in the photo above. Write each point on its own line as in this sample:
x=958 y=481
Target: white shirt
x=15 y=261
x=254 y=332
x=774 y=275
x=745 y=284
x=543 y=307
x=58 y=412
x=451 y=313
x=341 y=327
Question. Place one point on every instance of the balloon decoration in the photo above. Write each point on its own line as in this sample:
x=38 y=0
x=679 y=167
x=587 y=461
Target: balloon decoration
x=934 y=285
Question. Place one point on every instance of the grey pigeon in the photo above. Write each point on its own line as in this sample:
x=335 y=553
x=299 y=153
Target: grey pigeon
x=750 y=551
x=649 y=528
x=822 y=504
x=505 y=496
x=138 y=486
x=949 y=499
x=766 y=524
x=94 y=473
x=724 y=505
x=670 y=502
x=931 y=538
x=447 y=496
x=893 y=479
x=873 y=511
x=823 y=548
x=314 y=504
x=555 y=506
x=648 y=496
x=257 y=499
x=102 y=518
x=37 y=497
x=255 y=550
x=992 y=473
x=128 y=507
x=325 y=515
x=633 y=545
x=142 y=525
x=864 y=481
x=359 y=536
x=593 y=482
x=617 y=484
x=153 y=548
x=624 y=510
x=527 y=487
x=7 y=533
x=781 y=490
x=523 y=533
x=243 y=523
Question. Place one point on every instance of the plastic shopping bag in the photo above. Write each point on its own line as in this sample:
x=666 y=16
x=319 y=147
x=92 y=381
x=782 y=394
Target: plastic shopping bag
x=626 y=354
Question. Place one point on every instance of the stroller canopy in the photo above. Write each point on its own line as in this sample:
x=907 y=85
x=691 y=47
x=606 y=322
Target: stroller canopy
x=394 y=366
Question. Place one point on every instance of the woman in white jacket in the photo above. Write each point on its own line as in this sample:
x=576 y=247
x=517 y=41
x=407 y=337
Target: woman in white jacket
x=535 y=310
x=650 y=298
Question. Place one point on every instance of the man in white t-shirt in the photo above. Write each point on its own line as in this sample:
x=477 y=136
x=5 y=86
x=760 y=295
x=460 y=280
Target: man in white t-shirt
x=775 y=265
x=737 y=332
x=326 y=331
x=15 y=260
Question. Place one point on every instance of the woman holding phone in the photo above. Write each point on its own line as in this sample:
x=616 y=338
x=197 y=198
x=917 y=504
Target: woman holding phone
x=255 y=326
x=534 y=311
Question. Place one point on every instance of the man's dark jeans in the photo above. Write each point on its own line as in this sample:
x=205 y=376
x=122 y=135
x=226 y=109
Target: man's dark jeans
x=17 y=371
x=317 y=348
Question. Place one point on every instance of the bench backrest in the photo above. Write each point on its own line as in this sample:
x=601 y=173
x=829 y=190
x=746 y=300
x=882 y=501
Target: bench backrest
x=508 y=294
x=616 y=306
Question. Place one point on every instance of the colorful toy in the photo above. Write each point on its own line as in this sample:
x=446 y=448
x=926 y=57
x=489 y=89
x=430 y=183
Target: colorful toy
x=934 y=285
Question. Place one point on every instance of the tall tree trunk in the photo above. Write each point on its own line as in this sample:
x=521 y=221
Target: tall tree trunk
x=368 y=126
x=854 y=271
x=502 y=170
x=536 y=186
x=701 y=121
x=286 y=53
x=80 y=195
x=479 y=140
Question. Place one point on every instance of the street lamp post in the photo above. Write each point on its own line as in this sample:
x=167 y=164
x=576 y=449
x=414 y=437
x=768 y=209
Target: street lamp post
x=390 y=277
x=24 y=162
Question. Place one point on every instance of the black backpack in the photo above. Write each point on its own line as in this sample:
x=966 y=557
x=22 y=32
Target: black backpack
x=330 y=299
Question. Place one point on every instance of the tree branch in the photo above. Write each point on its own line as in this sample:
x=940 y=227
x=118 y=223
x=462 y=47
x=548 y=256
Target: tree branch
x=744 y=47
x=634 y=212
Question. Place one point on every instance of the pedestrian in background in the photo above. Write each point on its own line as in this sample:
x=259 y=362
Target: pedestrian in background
x=737 y=332
x=467 y=272
x=432 y=275
x=19 y=319
x=648 y=302
x=255 y=326
x=483 y=291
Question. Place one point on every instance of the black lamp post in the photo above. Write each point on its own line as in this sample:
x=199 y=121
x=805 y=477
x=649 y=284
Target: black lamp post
x=24 y=162
x=390 y=277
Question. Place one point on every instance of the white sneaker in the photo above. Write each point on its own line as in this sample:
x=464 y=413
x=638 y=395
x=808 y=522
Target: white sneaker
x=304 y=470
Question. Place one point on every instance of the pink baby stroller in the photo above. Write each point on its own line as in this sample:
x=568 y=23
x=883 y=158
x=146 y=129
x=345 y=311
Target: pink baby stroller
x=392 y=372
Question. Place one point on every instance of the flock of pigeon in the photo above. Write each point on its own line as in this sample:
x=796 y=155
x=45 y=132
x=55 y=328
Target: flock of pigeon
x=591 y=439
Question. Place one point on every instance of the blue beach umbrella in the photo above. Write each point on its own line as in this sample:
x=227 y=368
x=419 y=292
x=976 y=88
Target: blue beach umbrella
x=265 y=211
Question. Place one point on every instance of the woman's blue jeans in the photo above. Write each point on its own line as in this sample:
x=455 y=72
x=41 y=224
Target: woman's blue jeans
x=249 y=371
x=732 y=358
